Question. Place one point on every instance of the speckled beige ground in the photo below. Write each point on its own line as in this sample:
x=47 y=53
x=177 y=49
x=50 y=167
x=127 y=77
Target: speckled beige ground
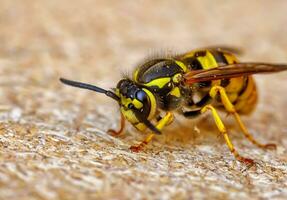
x=53 y=141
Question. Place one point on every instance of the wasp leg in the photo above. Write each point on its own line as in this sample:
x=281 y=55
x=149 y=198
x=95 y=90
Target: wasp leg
x=230 y=108
x=122 y=126
x=166 y=120
x=223 y=131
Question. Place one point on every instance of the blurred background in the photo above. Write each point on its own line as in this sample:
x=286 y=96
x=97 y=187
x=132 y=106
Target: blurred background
x=53 y=141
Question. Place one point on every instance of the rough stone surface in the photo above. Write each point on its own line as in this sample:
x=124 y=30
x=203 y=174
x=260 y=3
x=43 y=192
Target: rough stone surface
x=53 y=140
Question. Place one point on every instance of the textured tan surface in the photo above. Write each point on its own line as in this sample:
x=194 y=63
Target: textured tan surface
x=53 y=141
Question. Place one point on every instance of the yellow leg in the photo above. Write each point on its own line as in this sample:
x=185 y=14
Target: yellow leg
x=230 y=108
x=223 y=131
x=122 y=126
x=166 y=120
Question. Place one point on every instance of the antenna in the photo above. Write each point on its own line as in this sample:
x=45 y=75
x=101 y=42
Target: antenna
x=90 y=87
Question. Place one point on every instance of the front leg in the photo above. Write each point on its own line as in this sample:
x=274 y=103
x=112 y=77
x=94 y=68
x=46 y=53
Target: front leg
x=122 y=127
x=166 y=120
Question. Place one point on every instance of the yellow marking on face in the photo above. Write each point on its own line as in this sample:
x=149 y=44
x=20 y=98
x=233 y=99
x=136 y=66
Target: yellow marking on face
x=175 y=92
x=153 y=104
x=182 y=66
x=137 y=103
x=129 y=115
x=125 y=101
x=159 y=82
x=208 y=61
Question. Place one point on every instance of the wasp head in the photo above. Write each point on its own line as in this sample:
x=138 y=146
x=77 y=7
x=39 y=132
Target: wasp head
x=137 y=104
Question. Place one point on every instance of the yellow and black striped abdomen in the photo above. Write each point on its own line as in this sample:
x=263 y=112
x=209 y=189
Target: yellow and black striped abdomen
x=241 y=91
x=247 y=97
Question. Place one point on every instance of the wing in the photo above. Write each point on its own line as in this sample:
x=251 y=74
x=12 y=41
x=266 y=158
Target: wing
x=232 y=71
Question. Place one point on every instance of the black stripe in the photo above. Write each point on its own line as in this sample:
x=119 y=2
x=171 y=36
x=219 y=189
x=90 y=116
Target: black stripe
x=191 y=114
x=244 y=87
x=200 y=54
x=193 y=63
x=203 y=101
x=204 y=84
x=219 y=57
x=224 y=82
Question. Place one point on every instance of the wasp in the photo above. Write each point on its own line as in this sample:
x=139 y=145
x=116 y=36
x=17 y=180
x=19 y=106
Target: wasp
x=199 y=81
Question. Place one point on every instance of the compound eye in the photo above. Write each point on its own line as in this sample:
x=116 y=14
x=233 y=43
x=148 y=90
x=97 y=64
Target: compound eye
x=141 y=96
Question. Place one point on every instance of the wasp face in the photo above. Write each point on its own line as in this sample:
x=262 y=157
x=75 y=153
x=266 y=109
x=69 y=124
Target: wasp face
x=137 y=104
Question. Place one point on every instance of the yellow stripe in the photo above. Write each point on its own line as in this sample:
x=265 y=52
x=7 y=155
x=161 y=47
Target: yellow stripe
x=182 y=66
x=230 y=58
x=129 y=115
x=249 y=89
x=247 y=100
x=232 y=96
x=235 y=85
x=208 y=61
x=159 y=82
x=240 y=104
